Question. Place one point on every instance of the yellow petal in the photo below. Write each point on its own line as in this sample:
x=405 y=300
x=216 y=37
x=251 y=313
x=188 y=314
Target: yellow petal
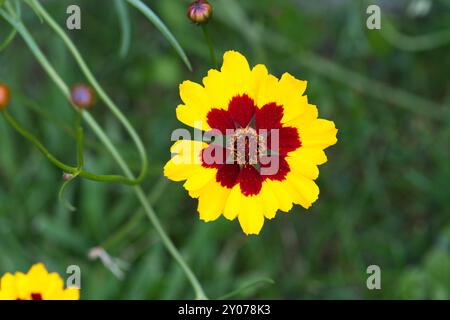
x=37 y=278
x=303 y=167
x=193 y=94
x=251 y=216
x=179 y=171
x=282 y=193
x=290 y=83
x=306 y=189
x=314 y=155
x=258 y=77
x=8 y=289
x=196 y=105
x=319 y=133
x=200 y=179
x=71 y=294
x=53 y=288
x=193 y=117
x=233 y=203
x=290 y=95
x=268 y=91
x=186 y=160
x=309 y=114
x=269 y=200
x=219 y=89
x=236 y=70
x=211 y=201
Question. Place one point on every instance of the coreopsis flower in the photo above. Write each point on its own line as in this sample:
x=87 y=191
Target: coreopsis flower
x=37 y=284
x=82 y=96
x=265 y=142
x=4 y=96
x=200 y=11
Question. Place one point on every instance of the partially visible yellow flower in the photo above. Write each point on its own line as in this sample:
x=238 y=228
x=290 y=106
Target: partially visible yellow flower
x=37 y=284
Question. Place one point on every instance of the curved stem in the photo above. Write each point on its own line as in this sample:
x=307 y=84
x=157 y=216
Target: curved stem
x=66 y=168
x=93 y=81
x=199 y=292
x=37 y=144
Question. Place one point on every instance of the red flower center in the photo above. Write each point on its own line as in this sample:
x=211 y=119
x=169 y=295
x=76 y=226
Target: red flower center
x=256 y=144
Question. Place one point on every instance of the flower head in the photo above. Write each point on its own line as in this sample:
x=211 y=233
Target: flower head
x=4 y=96
x=37 y=284
x=200 y=11
x=82 y=96
x=266 y=147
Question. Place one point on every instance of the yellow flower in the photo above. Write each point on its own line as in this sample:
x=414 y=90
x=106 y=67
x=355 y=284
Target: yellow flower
x=37 y=284
x=268 y=143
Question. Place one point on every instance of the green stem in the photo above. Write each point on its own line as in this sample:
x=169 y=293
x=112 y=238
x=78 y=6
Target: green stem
x=80 y=139
x=37 y=144
x=210 y=45
x=66 y=168
x=93 y=81
x=199 y=292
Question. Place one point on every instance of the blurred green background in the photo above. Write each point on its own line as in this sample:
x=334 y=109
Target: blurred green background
x=384 y=192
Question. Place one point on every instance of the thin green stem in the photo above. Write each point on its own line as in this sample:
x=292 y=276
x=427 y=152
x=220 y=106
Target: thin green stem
x=80 y=139
x=209 y=41
x=37 y=144
x=58 y=163
x=93 y=81
x=199 y=292
x=66 y=203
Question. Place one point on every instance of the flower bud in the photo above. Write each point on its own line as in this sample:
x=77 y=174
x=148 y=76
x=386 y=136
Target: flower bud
x=82 y=96
x=4 y=96
x=200 y=11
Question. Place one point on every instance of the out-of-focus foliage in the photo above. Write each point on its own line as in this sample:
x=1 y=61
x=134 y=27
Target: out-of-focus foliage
x=384 y=192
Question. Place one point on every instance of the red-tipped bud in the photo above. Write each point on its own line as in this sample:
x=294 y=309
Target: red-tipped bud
x=4 y=96
x=200 y=11
x=82 y=96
